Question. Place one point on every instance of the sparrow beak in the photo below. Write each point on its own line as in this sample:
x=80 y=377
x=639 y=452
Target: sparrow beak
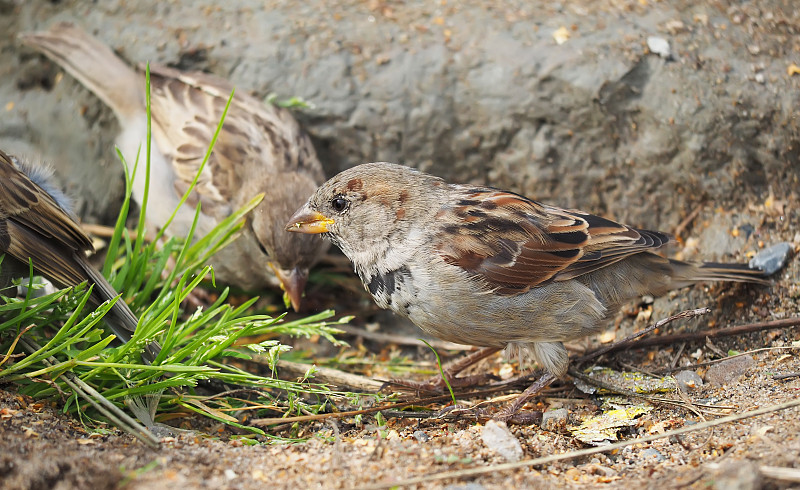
x=308 y=221
x=293 y=282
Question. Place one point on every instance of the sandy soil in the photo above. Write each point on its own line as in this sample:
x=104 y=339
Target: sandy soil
x=41 y=448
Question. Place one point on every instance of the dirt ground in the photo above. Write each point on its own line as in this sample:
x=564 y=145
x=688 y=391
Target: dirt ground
x=44 y=449
x=41 y=448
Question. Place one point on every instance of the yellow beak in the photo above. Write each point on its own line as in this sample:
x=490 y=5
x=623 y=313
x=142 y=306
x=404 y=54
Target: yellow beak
x=293 y=282
x=308 y=221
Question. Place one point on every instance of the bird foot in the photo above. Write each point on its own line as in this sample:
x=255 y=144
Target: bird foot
x=513 y=413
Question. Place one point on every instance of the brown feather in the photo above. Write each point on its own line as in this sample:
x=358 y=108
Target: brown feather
x=522 y=244
x=35 y=228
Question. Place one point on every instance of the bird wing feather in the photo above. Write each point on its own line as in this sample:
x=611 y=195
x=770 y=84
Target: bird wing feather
x=514 y=244
x=255 y=138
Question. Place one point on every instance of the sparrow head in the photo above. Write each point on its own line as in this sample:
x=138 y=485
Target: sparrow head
x=289 y=255
x=368 y=207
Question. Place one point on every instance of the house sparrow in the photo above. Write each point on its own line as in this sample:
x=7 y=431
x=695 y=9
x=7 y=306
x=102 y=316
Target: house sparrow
x=481 y=266
x=36 y=224
x=260 y=148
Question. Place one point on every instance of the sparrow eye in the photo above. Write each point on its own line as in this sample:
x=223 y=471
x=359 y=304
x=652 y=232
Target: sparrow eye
x=339 y=204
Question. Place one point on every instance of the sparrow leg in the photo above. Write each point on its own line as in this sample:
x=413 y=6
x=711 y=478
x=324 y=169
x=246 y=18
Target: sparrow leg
x=437 y=384
x=511 y=412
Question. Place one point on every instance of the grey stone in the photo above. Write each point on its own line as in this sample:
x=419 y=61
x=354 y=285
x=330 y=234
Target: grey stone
x=653 y=454
x=659 y=45
x=729 y=370
x=465 y=486
x=498 y=438
x=554 y=420
x=421 y=436
x=739 y=474
x=773 y=258
x=688 y=380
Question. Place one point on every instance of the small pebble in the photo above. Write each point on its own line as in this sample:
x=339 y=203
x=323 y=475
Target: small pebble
x=554 y=420
x=728 y=371
x=651 y=453
x=772 y=259
x=465 y=486
x=499 y=439
x=659 y=45
x=421 y=436
x=688 y=380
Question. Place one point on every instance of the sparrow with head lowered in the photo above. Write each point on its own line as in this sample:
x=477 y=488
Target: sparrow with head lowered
x=37 y=225
x=260 y=149
x=486 y=267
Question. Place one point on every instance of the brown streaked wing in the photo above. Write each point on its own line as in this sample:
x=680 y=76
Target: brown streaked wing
x=187 y=107
x=25 y=203
x=184 y=120
x=609 y=243
x=509 y=241
x=513 y=243
x=49 y=257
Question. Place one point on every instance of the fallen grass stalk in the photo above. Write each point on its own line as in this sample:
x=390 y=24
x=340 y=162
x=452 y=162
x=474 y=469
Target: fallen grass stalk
x=628 y=341
x=471 y=472
x=716 y=332
x=113 y=413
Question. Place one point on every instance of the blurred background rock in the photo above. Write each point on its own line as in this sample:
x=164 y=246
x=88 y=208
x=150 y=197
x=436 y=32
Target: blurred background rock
x=643 y=111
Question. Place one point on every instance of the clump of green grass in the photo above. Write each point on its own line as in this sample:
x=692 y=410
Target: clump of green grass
x=49 y=345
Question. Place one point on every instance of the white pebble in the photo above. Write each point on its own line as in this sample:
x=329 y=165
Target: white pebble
x=658 y=45
x=499 y=439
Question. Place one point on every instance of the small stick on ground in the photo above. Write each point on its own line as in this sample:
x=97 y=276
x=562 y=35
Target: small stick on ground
x=326 y=375
x=628 y=341
x=687 y=220
x=720 y=332
x=668 y=370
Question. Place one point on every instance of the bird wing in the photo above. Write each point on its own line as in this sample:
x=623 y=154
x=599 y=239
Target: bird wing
x=514 y=244
x=28 y=205
x=33 y=226
x=255 y=140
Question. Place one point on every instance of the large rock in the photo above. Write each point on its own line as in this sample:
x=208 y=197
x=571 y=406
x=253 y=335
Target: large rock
x=472 y=91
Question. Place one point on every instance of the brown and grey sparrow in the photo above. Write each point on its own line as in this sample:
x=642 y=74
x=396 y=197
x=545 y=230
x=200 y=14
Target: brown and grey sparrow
x=260 y=148
x=481 y=266
x=37 y=225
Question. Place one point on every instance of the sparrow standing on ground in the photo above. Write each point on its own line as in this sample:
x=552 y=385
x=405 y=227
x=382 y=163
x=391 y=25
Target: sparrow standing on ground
x=36 y=224
x=260 y=148
x=481 y=266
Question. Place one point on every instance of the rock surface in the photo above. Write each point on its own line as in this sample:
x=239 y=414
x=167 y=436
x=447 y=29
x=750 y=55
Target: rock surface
x=729 y=370
x=472 y=91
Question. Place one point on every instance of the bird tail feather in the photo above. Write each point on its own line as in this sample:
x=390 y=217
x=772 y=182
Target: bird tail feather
x=120 y=318
x=714 y=271
x=94 y=64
